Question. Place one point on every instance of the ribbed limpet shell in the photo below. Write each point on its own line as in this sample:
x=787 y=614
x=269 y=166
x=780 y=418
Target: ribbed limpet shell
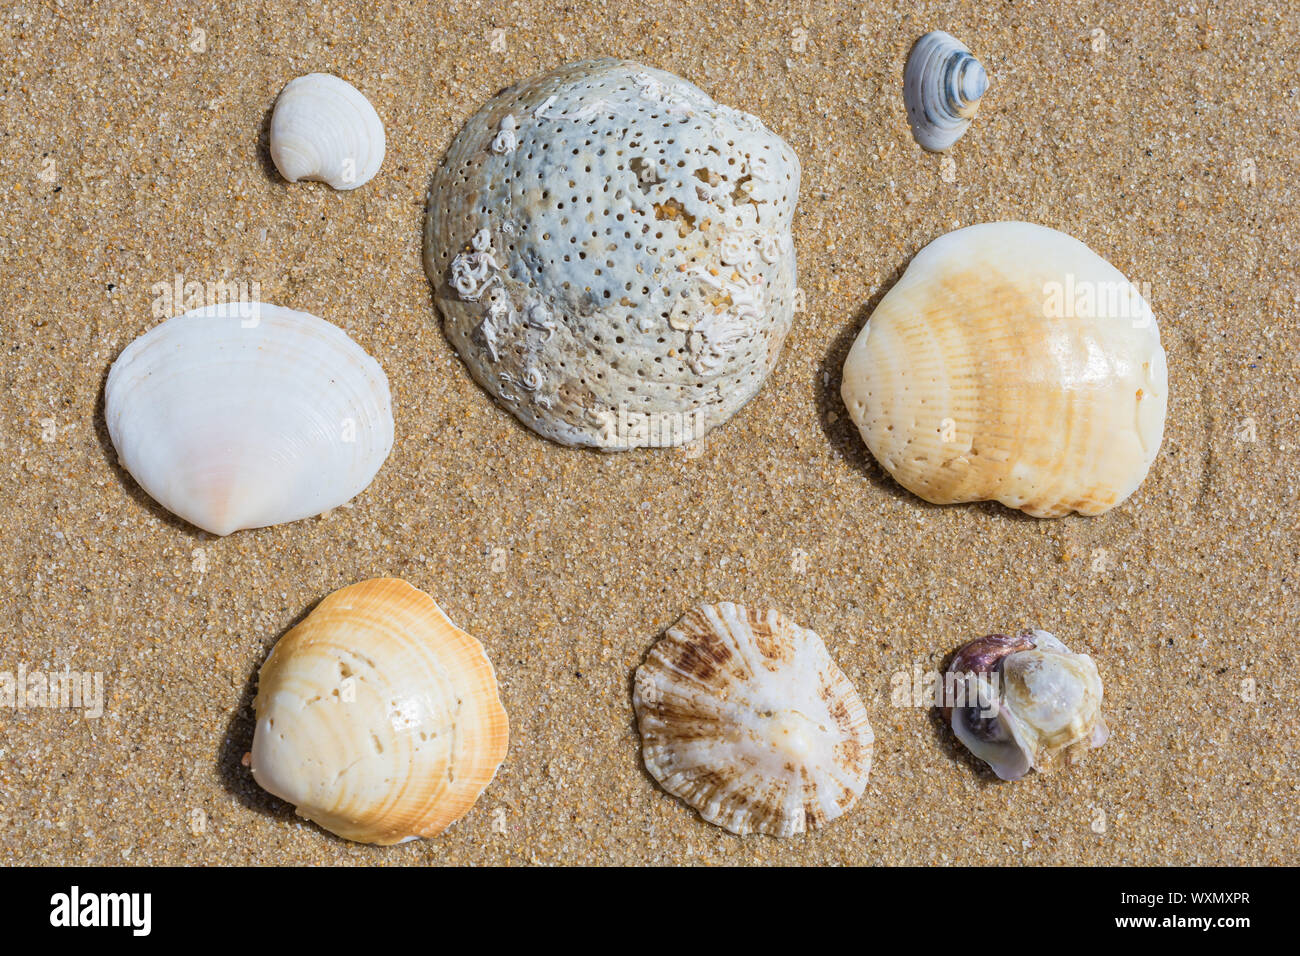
x=744 y=715
x=1012 y=363
x=377 y=717
x=611 y=253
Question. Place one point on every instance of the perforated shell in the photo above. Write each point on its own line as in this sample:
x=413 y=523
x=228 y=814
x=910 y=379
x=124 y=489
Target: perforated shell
x=610 y=248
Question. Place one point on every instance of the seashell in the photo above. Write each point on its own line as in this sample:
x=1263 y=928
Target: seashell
x=324 y=129
x=649 y=223
x=243 y=415
x=378 y=718
x=942 y=87
x=1011 y=362
x=744 y=715
x=1025 y=702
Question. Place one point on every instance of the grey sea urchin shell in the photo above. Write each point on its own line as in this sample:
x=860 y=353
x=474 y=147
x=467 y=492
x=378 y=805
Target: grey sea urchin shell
x=611 y=253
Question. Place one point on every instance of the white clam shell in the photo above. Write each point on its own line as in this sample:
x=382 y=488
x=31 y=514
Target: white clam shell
x=744 y=715
x=942 y=87
x=246 y=415
x=611 y=253
x=1047 y=712
x=377 y=717
x=324 y=129
x=1011 y=363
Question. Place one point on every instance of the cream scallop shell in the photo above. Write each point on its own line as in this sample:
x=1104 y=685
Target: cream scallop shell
x=377 y=717
x=245 y=415
x=1011 y=362
x=324 y=129
x=744 y=715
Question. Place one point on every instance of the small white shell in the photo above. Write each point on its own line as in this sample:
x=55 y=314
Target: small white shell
x=245 y=415
x=324 y=129
x=942 y=87
x=1028 y=703
x=377 y=717
x=744 y=715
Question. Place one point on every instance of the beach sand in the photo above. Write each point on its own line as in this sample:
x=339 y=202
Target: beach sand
x=134 y=152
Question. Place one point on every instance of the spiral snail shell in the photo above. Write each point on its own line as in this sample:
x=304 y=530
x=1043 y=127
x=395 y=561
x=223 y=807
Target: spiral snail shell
x=943 y=84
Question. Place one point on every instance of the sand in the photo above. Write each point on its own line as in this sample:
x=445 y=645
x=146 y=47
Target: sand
x=134 y=152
